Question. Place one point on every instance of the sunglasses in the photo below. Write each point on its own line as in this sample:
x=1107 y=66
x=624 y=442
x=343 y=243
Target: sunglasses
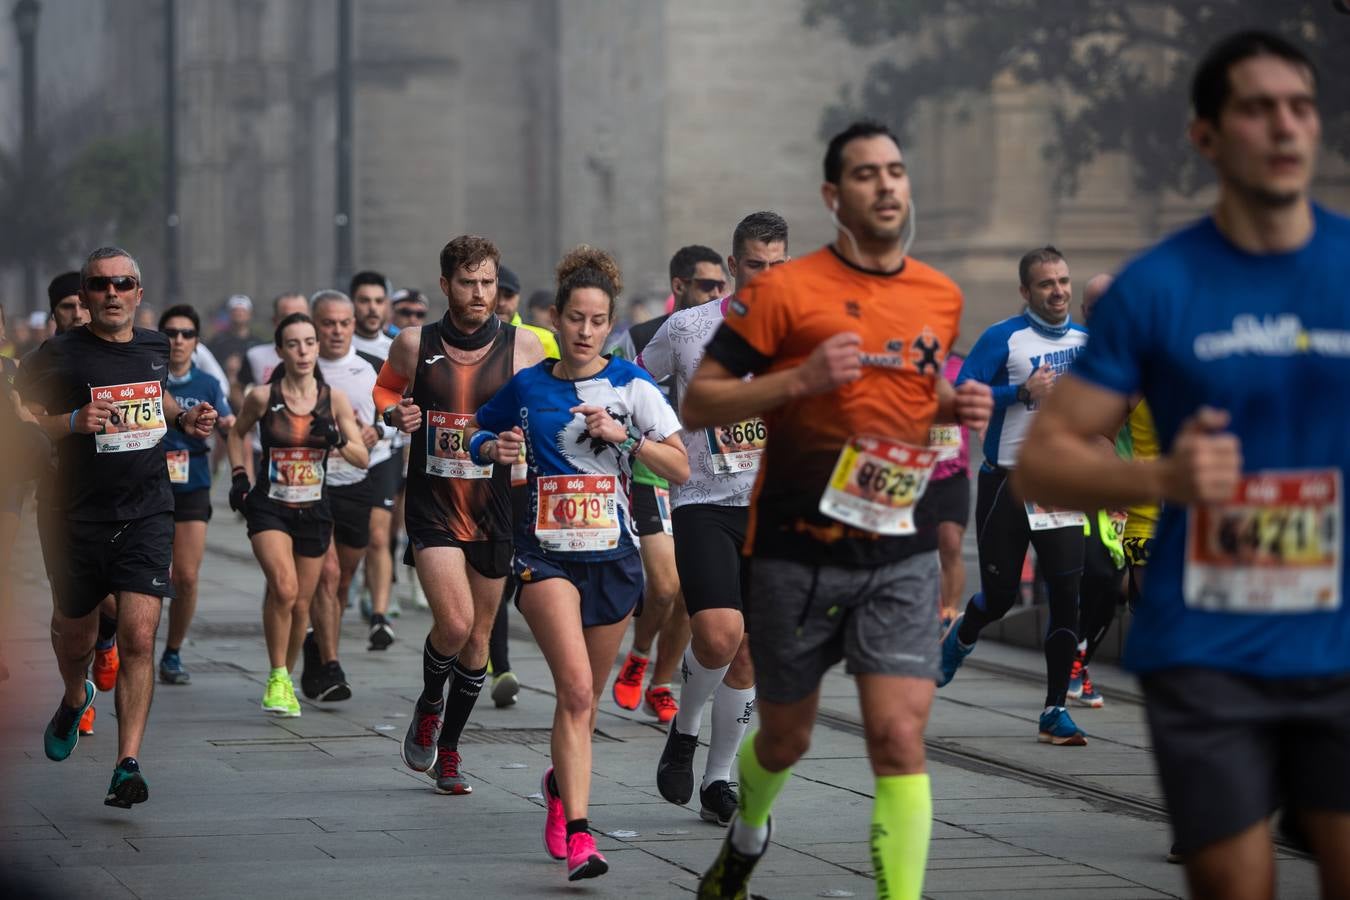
x=101 y=283
x=412 y=313
x=186 y=334
x=710 y=285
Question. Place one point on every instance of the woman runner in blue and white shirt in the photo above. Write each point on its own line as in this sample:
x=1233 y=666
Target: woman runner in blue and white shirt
x=583 y=419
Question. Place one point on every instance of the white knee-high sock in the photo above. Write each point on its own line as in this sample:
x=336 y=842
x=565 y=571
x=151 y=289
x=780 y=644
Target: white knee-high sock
x=730 y=718
x=697 y=684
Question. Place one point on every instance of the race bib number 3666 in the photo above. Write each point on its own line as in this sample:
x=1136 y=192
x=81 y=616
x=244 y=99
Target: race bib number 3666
x=1276 y=548
x=876 y=483
x=737 y=448
x=137 y=420
x=447 y=450
x=577 y=513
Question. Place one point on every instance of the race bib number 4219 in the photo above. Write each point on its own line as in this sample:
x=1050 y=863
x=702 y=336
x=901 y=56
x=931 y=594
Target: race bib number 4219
x=1275 y=549
x=137 y=420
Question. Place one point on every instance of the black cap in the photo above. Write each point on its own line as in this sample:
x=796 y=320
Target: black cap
x=507 y=281
x=62 y=286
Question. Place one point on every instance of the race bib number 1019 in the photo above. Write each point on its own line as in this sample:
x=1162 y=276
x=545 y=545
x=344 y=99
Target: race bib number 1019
x=1275 y=549
x=137 y=420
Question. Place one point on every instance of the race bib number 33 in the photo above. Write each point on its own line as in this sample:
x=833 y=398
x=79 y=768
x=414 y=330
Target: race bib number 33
x=876 y=483
x=1276 y=548
x=137 y=420
x=447 y=450
x=577 y=513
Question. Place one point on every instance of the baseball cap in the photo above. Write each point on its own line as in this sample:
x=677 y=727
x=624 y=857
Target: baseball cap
x=507 y=281
x=239 y=301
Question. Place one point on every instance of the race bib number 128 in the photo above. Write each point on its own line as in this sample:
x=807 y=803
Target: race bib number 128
x=137 y=420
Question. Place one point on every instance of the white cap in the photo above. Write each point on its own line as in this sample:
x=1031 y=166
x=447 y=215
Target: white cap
x=239 y=301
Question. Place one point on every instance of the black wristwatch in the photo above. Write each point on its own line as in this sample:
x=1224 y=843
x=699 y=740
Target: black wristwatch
x=385 y=415
x=1023 y=395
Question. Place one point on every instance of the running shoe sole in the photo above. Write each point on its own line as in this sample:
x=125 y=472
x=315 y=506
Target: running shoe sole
x=593 y=867
x=1072 y=740
x=335 y=693
x=131 y=790
x=172 y=677
x=381 y=638
x=505 y=687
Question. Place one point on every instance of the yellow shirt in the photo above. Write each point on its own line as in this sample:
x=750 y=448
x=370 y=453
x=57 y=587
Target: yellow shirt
x=1144 y=439
x=545 y=337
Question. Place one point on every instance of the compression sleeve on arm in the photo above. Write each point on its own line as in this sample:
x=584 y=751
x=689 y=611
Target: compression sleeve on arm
x=389 y=388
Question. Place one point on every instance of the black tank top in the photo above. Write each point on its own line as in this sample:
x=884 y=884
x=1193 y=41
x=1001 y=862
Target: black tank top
x=470 y=502
x=292 y=456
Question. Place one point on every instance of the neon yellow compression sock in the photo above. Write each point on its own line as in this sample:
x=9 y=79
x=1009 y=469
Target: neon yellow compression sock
x=902 y=821
x=759 y=787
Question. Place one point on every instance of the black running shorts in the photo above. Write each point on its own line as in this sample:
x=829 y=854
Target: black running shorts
x=1231 y=748
x=646 y=510
x=386 y=479
x=192 y=506
x=948 y=499
x=310 y=527
x=708 y=542
x=350 y=504
x=491 y=559
x=102 y=558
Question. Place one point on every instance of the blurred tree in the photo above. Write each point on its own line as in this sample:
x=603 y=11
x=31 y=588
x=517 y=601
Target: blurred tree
x=1119 y=70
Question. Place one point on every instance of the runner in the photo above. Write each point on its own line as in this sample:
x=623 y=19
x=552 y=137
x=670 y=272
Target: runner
x=696 y=277
x=847 y=346
x=582 y=420
x=99 y=393
x=948 y=494
x=458 y=512
x=190 y=478
x=1242 y=635
x=508 y=310
x=409 y=310
x=290 y=522
x=262 y=358
x=350 y=496
x=1020 y=358
x=373 y=339
x=709 y=516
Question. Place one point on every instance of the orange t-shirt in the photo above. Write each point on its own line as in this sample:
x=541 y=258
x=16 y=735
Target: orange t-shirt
x=908 y=321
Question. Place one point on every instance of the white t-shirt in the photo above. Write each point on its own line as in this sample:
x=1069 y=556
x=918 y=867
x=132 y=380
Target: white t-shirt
x=718 y=475
x=354 y=376
x=262 y=359
x=376 y=346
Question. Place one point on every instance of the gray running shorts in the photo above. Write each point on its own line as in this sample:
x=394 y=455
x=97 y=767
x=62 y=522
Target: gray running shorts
x=803 y=619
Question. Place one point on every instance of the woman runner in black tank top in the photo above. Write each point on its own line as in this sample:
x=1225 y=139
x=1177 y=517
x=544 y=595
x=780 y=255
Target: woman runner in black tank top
x=300 y=419
x=448 y=495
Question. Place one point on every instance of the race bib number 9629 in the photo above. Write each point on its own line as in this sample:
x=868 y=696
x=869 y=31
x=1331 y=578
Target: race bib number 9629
x=876 y=483
x=1276 y=548
x=137 y=420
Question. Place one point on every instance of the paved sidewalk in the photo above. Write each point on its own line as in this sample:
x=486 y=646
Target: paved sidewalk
x=244 y=805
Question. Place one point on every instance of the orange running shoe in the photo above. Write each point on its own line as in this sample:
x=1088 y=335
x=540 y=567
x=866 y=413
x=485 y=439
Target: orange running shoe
x=628 y=684
x=106 y=664
x=87 y=721
x=662 y=704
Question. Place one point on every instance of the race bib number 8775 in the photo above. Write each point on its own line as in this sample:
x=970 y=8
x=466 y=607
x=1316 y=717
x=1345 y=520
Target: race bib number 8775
x=137 y=420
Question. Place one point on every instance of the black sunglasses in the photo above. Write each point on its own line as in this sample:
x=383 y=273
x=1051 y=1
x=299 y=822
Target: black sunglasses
x=413 y=313
x=186 y=334
x=710 y=285
x=101 y=283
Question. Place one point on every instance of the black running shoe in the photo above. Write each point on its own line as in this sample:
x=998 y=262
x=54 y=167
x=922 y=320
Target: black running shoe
x=729 y=876
x=675 y=771
x=128 y=785
x=718 y=802
x=333 y=685
x=311 y=675
x=381 y=635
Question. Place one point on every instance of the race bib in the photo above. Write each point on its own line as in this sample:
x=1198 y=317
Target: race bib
x=876 y=483
x=295 y=475
x=1119 y=518
x=946 y=440
x=447 y=450
x=1276 y=548
x=577 y=513
x=1046 y=518
x=737 y=448
x=178 y=466
x=663 y=508
x=137 y=420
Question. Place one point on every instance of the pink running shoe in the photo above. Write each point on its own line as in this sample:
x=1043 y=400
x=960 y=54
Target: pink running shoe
x=555 y=824
x=583 y=860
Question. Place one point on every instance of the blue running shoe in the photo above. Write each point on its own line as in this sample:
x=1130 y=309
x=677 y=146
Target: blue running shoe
x=953 y=652
x=1058 y=729
x=171 y=669
x=63 y=733
x=128 y=785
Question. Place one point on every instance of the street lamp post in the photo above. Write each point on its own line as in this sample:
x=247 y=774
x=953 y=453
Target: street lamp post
x=25 y=25
x=342 y=220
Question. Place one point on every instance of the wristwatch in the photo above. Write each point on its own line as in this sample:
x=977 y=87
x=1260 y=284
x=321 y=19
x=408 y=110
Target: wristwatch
x=1023 y=395
x=634 y=439
x=385 y=415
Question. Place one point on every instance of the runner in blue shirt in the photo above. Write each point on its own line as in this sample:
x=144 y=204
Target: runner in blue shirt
x=583 y=420
x=189 y=463
x=1236 y=331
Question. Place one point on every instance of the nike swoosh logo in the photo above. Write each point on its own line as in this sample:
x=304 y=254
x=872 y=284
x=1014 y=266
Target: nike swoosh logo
x=434 y=358
x=156 y=582
x=279 y=406
x=156 y=368
x=388 y=502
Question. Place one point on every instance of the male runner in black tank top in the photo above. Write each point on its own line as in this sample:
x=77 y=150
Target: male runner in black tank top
x=99 y=393
x=458 y=515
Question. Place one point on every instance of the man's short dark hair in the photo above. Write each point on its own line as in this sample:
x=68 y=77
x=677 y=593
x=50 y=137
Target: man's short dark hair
x=62 y=286
x=1039 y=256
x=540 y=299
x=686 y=260
x=184 y=310
x=834 y=153
x=468 y=251
x=368 y=276
x=764 y=226
x=1211 y=85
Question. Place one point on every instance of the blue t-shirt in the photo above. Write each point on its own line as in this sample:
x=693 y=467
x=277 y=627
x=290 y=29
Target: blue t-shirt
x=193 y=388
x=1197 y=321
x=556 y=442
x=1004 y=358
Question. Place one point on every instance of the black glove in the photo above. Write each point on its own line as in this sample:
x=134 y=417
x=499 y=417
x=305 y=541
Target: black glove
x=327 y=430
x=239 y=488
